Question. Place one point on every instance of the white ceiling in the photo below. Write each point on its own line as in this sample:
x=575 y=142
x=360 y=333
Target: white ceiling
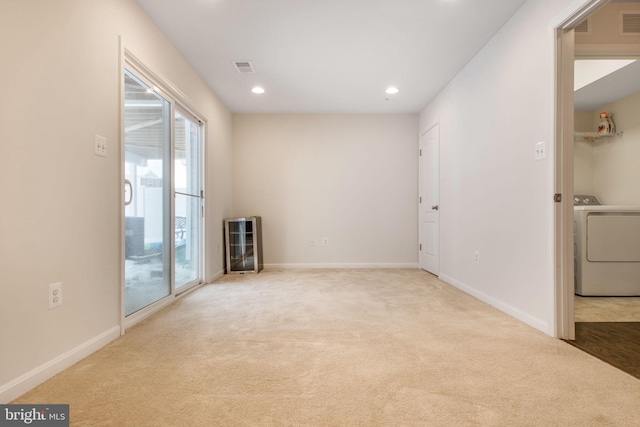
x=587 y=71
x=329 y=56
x=613 y=87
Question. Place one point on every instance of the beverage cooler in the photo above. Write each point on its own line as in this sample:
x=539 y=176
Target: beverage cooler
x=243 y=238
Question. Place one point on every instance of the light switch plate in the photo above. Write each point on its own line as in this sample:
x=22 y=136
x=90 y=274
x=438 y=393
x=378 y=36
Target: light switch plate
x=100 y=145
x=540 y=151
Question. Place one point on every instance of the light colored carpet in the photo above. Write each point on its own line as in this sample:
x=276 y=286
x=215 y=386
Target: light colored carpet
x=339 y=348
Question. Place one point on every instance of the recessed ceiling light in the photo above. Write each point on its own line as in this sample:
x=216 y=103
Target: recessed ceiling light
x=392 y=90
x=257 y=89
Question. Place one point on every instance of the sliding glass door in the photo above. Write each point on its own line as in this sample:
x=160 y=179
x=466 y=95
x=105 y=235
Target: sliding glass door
x=188 y=196
x=163 y=195
x=147 y=143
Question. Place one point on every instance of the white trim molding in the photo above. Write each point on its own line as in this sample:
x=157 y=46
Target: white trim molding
x=506 y=308
x=37 y=376
x=215 y=276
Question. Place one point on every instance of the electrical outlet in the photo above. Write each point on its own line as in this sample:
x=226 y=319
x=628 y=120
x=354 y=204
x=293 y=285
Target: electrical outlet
x=325 y=241
x=477 y=257
x=55 y=295
x=100 y=145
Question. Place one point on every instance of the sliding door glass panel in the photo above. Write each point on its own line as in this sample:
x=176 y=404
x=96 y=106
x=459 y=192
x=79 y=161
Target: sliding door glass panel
x=188 y=200
x=147 y=217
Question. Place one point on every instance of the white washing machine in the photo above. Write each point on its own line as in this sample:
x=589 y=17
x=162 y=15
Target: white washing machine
x=606 y=248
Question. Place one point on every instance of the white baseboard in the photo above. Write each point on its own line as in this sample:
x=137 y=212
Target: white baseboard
x=37 y=376
x=500 y=305
x=215 y=276
x=345 y=265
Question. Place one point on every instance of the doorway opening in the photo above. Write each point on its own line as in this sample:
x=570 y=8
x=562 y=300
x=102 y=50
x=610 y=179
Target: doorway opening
x=597 y=74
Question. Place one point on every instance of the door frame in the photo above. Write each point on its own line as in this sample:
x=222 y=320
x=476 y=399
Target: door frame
x=562 y=119
x=179 y=101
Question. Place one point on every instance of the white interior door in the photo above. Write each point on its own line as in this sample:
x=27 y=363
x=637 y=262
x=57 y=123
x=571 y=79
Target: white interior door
x=429 y=215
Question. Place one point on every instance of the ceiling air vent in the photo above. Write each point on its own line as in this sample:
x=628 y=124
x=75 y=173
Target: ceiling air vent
x=584 y=28
x=243 y=67
x=630 y=23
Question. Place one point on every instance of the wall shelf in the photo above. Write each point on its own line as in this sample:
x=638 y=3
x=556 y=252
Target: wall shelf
x=593 y=136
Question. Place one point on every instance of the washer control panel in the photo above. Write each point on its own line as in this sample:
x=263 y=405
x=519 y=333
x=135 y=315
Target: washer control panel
x=585 y=200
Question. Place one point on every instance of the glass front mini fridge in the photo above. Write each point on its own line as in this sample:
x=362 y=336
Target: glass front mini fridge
x=243 y=237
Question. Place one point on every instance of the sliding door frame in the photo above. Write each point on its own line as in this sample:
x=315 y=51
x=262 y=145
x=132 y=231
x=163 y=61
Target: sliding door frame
x=185 y=112
x=179 y=102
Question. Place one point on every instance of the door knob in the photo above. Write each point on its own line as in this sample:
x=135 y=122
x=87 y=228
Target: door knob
x=435 y=208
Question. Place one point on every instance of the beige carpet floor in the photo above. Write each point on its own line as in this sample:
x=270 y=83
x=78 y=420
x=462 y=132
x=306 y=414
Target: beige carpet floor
x=339 y=348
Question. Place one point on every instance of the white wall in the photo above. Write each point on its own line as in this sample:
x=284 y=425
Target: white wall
x=60 y=215
x=351 y=178
x=583 y=153
x=612 y=164
x=495 y=197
